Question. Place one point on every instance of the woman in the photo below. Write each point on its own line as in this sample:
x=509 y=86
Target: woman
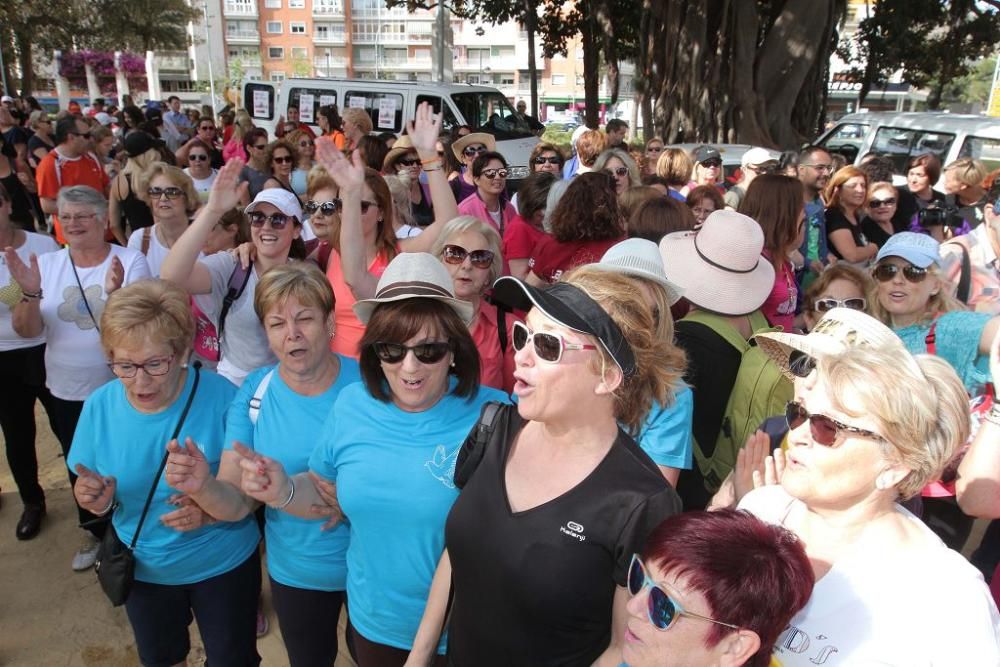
x=402 y=161
x=703 y=200
x=775 y=202
x=470 y=249
x=41 y=142
x=963 y=184
x=321 y=206
x=698 y=607
x=707 y=167
x=466 y=149
x=127 y=210
x=882 y=202
x=633 y=198
x=257 y=170
x=230 y=232
x=171 y=196
x=16 y=179
x=356 y=123
x=839 y=286
x=22 y=365
x=213 y=572
x=561 y=459
x=585 y=223
x=620 y=166
x=675 y=165
x=922 y=172
x=132 y=118
x=650 y=156
x=200 y=169
x=526 y=229
x=234 y=147
x=489 y=202
x=305 y=148
x=851 y=458
x=373 y=151
x=63 y=296
x=845 y=199
x=420 y=374
x=275 y=226
x=546 y=157
x=277 y=413
x=658 y=216
x=329 y=124
x=281 y=158
x=403 y=221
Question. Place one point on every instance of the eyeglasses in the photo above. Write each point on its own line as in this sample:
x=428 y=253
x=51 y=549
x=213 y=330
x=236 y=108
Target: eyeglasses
x=80 y=217
x=548 y=347
x=619 y=171
x=154 y=367
x=169 y=193
x=200 y=157
x=456 y=254
x=879 y=203
x=818 y=167
x=547 y=160
x=655 y=149
x=207 y=128
x=426 y=353
x=662 y=609
x=324 y=208
x=886 y=272
x=259 y=147
x=856 y=303
x=473 y=150
x=495 y=173
x=825 y=430
x=282 y=159
x=711 y=164
x=408 y=161
x=278 y=220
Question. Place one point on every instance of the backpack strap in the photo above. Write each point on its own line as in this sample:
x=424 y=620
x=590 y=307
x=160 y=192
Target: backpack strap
x=502 y=327
x=474 y=448
x=258 y=396
x=238 y=280
x=146 y=233
x=722 y=327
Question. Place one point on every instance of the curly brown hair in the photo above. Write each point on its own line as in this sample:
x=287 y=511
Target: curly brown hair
x=588 y=211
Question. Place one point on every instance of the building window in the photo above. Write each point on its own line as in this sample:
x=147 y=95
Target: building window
x=272 y=4
x=275 y=52
x=274 y=27
x=558 y=79
x=506 y=80
x=277 y=76
x=297 y=27
x=300 y=52
x=296 y=4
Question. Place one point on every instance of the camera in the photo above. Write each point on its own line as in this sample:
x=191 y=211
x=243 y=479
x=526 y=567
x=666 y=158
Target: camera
x=938 y=215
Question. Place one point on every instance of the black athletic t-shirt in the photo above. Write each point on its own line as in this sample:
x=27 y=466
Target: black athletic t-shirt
x=536 y=587
x=835 y=219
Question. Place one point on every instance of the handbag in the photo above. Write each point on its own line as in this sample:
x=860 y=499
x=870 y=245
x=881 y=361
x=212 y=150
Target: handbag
x=115 y=565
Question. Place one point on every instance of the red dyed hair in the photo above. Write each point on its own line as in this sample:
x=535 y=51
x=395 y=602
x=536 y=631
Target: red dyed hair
x=753 y=574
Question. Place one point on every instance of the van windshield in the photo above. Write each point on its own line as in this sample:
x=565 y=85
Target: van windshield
x=489 y=111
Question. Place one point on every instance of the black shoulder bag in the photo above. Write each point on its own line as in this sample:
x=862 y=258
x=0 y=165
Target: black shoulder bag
x=115 y=564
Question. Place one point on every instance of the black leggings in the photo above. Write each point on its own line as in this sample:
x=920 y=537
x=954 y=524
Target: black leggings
x=308 y=621
x=64 y=415
x=23 y=373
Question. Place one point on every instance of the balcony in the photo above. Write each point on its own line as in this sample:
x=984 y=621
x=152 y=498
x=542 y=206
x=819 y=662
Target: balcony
x=381 y=13
x=405 y=63
x=329 y=37
x=242 y=36
x=328 y=10
x=380 y=38
x=494 y=63
x=173 y=61
x=240 y=8
x=333 y=62
x=247 y=62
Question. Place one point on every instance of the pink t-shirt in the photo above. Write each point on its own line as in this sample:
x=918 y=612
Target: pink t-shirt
x=496 y=366
x=780 y=305
x=348 y=327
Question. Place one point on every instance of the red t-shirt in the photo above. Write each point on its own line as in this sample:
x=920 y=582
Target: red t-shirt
x=57 y=171
x=550 y=258
x=520 y=238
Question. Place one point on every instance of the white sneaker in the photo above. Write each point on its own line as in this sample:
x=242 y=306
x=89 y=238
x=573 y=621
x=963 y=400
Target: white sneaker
x=85 y=556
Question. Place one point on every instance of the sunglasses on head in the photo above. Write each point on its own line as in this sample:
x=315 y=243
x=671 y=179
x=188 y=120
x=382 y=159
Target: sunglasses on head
x=278 y=220
x=169 y=193
x=282 y=159
x=325 y=208
x=618 y=171
x=825 y=430
x=856 y=303
x=886 y=272
x=473 y=150
x=662 y=609
x=548 y=346
x=879 y=203
x=495 y=173
x=426 y=353
x=200 y=157
x=456 y=254
x=547 y=160
x=708 y=164
x=408 y=161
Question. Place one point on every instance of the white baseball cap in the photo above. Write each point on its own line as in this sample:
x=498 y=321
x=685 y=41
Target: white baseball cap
x=285 y=201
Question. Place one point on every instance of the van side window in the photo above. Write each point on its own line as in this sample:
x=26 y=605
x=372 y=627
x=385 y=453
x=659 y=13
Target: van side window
x=902 y=144
x=314 y=98
x=846 y=139
x=258 y=100
x=986 y=149
x=448 y=121
x=385 y=109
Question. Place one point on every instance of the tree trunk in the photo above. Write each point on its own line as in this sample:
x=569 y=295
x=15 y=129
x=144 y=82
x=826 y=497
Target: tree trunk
x=530 y=19
x=591 y=72
x=26 y=61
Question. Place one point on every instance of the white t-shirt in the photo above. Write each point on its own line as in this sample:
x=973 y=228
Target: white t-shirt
x=156 y=252
x=75 y=364
x=919 y=606
x=10 y=293
x=202 y=185
x=244 y=345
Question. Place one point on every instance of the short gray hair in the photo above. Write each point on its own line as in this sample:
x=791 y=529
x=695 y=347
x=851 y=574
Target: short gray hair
x=468 y=223
x=83 y=195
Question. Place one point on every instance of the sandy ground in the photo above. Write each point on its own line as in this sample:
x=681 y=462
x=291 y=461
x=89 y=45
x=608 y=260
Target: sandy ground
x=51 y=616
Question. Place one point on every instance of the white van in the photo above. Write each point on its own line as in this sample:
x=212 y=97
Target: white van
x=391 y=104
x=902 y=136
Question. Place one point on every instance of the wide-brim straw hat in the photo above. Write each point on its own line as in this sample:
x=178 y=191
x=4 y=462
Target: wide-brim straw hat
x=402 y=146
x=414 y=275
x=487 y=140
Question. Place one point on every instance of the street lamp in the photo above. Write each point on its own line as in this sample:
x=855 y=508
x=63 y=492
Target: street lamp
x=479 y=33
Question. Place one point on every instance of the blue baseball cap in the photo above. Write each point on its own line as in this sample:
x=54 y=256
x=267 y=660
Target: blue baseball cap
x=920 y=250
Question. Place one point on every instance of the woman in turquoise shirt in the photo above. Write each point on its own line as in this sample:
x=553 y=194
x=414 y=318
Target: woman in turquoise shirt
x=212 y=572
x=279 y=412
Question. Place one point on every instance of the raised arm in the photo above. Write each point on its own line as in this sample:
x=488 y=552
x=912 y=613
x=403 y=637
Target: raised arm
x=978 y=485
x=424 y=132
x=27 y=316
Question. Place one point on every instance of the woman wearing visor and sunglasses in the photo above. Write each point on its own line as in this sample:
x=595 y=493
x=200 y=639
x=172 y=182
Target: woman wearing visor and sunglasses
x=870 y=426
x=388 y=453
x=489 y=202
x=540 y=539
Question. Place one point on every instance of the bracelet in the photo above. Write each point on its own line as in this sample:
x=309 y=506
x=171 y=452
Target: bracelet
x=437 y=168
x=288 y=500
x=431 y=160
x=32 y=295
x=111 y=506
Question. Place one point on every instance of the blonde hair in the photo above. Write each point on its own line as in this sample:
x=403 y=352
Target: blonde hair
x=302 y=280
x=659 y=363
x=150 y=310
x=399 y=190
x=359 y=117
x=942 y=302
x=38 y=117
x=918 y=404
x=242 y=123
x=633 y=169
x=968 y=171
x=318 y=179
x=172 y=174
x=675 y=165
x=468 y=223
x=140 y=163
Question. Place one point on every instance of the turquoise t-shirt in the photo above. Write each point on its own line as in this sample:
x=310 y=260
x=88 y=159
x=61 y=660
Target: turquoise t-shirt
x=299 y=552
x=957 y=341
x=394 y=472
x=666 y=434
x=114 y=439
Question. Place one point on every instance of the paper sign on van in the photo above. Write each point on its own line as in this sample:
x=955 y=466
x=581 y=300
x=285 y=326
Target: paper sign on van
x=306 y=107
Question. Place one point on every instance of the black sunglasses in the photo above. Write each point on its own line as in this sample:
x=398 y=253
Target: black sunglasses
x=278 y=220
x=408 y=161
x=708 y=164
x=201 y=157
x=282 y=159
x=472 y=150
x=547 y=160
x=825 y=430
x=456 y=254
x=618 y=171
x=495 y=173
x=169 y=193
x=886 y=272
x=426 y=353
x=325 y=208
x=879 y=203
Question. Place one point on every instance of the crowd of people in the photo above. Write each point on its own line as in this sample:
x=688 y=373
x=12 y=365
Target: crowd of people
x=626 y=411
